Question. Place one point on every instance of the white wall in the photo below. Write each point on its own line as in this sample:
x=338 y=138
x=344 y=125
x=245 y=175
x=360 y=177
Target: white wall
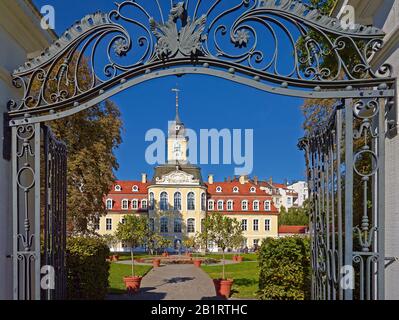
x=19 y=35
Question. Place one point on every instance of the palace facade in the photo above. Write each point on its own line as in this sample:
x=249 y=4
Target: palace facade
x=177 y=199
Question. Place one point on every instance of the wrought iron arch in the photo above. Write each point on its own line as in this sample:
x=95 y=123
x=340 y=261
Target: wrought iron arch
x=246 y=41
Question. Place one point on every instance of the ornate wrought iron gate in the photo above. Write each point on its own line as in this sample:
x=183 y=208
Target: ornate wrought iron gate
x=237 y=40
x=345 y=159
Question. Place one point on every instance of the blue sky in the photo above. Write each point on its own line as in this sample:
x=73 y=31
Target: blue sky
x=206 y=103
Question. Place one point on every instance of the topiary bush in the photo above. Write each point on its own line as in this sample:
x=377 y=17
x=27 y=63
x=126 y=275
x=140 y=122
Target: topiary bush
x=285 y=269
x=87 y=268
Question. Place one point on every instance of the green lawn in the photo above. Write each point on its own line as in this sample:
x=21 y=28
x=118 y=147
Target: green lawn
x=228 y=256
x=118 y=271
x=245 y=275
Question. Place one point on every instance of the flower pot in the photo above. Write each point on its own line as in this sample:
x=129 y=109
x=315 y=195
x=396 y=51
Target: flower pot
x=234 y=258
x=239 y=258
x=114 y=257
x=223 y=287
x=197 y=263
x=165 y=254
x=156 y=263
x=132 y=284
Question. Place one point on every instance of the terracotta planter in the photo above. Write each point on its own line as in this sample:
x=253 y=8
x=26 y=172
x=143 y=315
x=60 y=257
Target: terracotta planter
x=234 y=258
x=165 y=254
x=132 y=284
x=156 y=263
x=114 y=257
x=223 y=287
x=197 y=263
x=239 y=258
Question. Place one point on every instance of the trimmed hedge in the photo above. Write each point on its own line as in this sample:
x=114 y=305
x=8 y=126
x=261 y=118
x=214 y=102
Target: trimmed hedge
x=87 y=268
x=285 y=269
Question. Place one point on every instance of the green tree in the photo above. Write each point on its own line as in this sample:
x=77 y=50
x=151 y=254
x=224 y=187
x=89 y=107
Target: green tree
x=295 y=216
x=284 y=265
x=133 y=232
x=222 y=231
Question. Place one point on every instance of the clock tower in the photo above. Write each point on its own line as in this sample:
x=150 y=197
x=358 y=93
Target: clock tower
x=177 y=140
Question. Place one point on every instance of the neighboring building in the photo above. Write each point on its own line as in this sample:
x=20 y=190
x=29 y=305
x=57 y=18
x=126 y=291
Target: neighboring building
x=21 y=37
x=302 y=192
x=287 y=231
x=177 y=199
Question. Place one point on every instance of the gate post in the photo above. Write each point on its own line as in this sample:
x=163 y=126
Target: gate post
x=26 y=211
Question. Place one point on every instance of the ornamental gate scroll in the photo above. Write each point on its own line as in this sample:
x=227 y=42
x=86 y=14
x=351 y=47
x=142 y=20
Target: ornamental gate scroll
x=245 y=41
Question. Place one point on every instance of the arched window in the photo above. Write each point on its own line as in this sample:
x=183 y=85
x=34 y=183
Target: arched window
x=135 y=189
x=191 y=225
x=219 y=189
x=220 y=205
x=177 y=201
x=191 y=201
x=211 y=205
x=163 y=205
x=125 y=204
x=203 y=202
x=151 y=224
x=109 y=204
x=256 y=205
x=253 y=190
x=202 y=225
x=164 y=225
x=230 y=205
x=152 y=200
x=267 y=206
x=244 y=205
x=177 y=226
x=144 y=204
x=118 y=187
x=235 y=189
x=135 y=204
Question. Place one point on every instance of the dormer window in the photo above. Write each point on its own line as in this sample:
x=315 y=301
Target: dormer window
x=135 y=189
x=236 y=190
x=253 y=190
x=118 y=188
x=219 y=189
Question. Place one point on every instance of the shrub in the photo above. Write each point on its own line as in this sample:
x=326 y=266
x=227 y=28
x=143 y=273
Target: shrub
x=87 y=268
x=285 y=269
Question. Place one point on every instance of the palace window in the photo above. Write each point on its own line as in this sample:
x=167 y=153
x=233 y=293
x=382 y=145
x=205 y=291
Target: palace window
x=219 y=189
x=125 y=204
x=244 y=225
x=267 y=206
x=202 y=225
x=256 y=205
x=109 y=204
x=177 y=226
x=236 y=190
x=220 y=205
x=163 y=205
x=211 y=205
x=230 y=205
x=164 y=225
x=135 y=204
x=118 y=188
x=244 y=205
x=256 y=243
x=267 y=225
x=177 y=201
x=144 y=204
x=203 y=202
x=151 y=224
x=289 y=201
x=152 y=201
x=256 y=225
x=135 y=189
x=191 y=201
x=123 y=220
x=191 y=225
x=108 y=224
x=253 y=190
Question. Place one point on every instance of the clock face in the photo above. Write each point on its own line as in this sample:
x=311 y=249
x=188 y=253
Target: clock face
x=177 y=128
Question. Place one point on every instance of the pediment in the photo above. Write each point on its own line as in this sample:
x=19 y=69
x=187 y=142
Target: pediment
x=178 y=177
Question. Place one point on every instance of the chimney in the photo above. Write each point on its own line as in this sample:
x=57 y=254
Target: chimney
x=228 y=179
x=242 y=179
x=210 y=179
x=256 y=180
x=143 y=178
x=271 y=180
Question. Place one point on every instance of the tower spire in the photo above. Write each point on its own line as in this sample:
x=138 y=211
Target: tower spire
x=177 y=91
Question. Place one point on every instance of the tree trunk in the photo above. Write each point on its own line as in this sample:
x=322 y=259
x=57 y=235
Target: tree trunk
x=132 y=256
x=224 y=262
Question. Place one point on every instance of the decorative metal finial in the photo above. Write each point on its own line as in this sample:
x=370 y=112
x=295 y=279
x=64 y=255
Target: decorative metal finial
x=177 y=91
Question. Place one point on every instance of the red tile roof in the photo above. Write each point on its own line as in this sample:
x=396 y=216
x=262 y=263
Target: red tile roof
x=127 y=187
x=227 y=188
x=292 y=229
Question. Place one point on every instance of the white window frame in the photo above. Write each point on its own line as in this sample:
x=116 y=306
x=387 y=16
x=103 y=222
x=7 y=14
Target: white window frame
x=123 y=206
x=108 y=222
x=267 y=224
x=112 y=204
x=255 y=224
x=189 y=220
x=244 y=226
x=220 y=208
x=242 y=205
x=230 y=205
x=211 y=205
x=256 y=202
x=144 y=204
x=253 y=190
x=167 y=201
x=167 y=224
x=118 y=188
x=236 y=190
x=219 y=189
x=192 y=207
x=135 y=189
x=137 y=204
x=203 y=201
x=268 y=205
